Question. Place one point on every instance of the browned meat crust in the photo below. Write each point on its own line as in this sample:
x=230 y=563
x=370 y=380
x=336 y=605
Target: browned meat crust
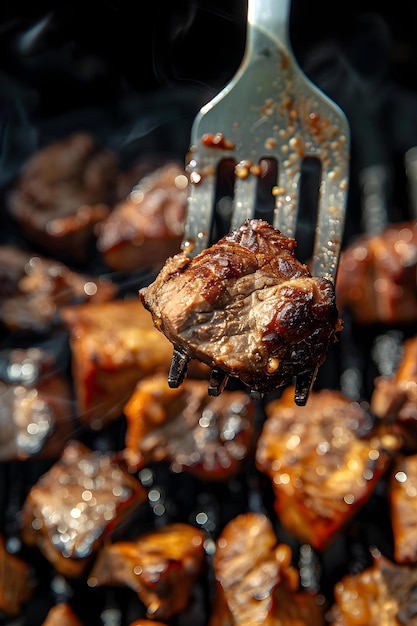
x=92 y=483
x=376 y=279
x=147 y=226
x=35 y=410
x=255 y=581
x=34 y=288
x=394 y=398
x=323 y=460
x=209 y=437
x=247 y=306
x=114 y=345
x=162 y=566
x=402 y=495
x=63 y=191
x=381 y=595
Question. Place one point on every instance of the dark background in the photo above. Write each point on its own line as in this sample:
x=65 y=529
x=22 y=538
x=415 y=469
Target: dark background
x=136 y=73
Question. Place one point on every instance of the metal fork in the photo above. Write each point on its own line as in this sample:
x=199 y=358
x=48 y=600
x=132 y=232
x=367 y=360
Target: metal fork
x=269 y=110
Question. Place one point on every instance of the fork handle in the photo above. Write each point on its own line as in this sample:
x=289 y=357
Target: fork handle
x=272 y=17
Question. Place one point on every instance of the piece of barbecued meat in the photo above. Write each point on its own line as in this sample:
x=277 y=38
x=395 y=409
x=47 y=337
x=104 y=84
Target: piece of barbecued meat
x=162 y=566
x=35 y=406
x=381 y=595
x=33 y=289
x=62 y=191
x=113 y=345
x=147 y=226
x=255 y=580
x=76 y=504
x=209 y=437
x=324 y=461
x=402 y=493
x=394 y=398
x=247 y=308
x=376 y=278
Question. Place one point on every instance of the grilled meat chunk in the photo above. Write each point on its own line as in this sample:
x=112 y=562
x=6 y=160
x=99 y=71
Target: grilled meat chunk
x=113 y=345
x=94 y=486
x=209 y=437
x=63 y=190
x=394 y=397
x=147 y=226
x=247 y=307
x=35 y=406
x=33 y=289
x=381 y=595
x=324 y=461
x=403 y=506
x=162 y=566
x=255 y=581
x=376 y=279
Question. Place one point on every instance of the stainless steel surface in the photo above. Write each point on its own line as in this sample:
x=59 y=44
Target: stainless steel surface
x=270 y=109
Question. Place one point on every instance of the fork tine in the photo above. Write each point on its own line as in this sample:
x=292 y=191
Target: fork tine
x=199 y=215
x=286 y=119
x=330 y=223
x=244 y=200
x=286 y=199
x=218 y=381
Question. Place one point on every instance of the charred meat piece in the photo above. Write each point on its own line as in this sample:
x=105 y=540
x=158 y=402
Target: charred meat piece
x=376 y=279
x=73 y=506
x=162 y=566
x=114 y=345
x=209 y=437
x=381 y=594
x=34 y=288
x=247 y=308
x=35 y=407
x=145 y=228
x=323 y=460
x=394 y=398
x=402 y=494
x=16 y=584
x=255 y=581
x=62 y=192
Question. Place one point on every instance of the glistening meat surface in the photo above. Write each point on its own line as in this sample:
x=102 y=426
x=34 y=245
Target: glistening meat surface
x=248 y=307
